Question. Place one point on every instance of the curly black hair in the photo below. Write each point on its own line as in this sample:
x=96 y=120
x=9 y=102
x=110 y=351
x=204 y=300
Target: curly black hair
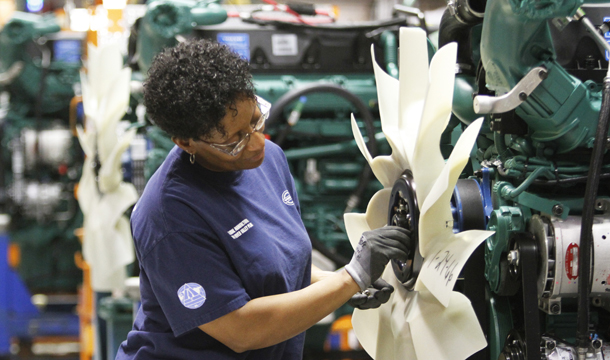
x=190 y=86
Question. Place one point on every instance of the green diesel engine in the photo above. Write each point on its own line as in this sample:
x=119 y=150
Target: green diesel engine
x=537 y=72
x=40 y=163
x=40 y=159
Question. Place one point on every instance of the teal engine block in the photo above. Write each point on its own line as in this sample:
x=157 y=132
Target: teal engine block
x=541 y=91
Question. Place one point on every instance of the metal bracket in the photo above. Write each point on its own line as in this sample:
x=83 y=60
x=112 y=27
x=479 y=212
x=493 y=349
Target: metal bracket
x=484 y=104
x=12 y=73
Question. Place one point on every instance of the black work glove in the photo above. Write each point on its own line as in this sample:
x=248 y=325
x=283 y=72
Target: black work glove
x=373 y=297
x=375 y=249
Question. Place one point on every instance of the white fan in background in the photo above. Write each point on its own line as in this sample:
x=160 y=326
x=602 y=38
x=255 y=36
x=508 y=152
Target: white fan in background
x=107 y=242
x=430 y=321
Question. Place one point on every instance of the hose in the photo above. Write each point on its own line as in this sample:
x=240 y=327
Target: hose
x=586 y=230
x=278 y=108
x=456 y=24
x=503 y=151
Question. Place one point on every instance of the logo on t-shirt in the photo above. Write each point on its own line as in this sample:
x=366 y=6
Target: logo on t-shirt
x=287 y=199
x=240 y=228
x=191 y=295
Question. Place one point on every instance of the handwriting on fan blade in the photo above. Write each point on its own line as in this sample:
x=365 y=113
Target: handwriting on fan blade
x=444 y=264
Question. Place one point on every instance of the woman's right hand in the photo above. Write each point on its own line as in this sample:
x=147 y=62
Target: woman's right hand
x=375 y=249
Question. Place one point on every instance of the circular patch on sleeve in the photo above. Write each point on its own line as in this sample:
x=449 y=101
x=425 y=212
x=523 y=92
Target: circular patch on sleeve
x=191 y=295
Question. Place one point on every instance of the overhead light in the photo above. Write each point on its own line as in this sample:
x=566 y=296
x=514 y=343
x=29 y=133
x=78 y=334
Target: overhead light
x=114 y=4
x=79 y=19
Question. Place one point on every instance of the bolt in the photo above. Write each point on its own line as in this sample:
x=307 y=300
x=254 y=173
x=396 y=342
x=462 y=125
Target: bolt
x=543 y=74
x=555 y=308
x=558 y=210
x=513 y=257
x=522 y=96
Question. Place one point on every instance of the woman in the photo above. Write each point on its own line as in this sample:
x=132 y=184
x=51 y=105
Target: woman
x=225 y=260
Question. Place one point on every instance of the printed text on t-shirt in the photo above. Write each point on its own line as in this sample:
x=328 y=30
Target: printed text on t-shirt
x=240 y=228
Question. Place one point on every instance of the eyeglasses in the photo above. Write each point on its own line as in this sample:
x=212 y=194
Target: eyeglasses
x=236 y=147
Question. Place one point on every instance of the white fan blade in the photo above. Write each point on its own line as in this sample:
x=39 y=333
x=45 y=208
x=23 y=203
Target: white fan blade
x=114 y=204
x=435 y=219
x=377 y=209
x=383 y=332
x=108 y=245
x=428 y=162
x=401 y=341
x=100 y=63
x=441 y=269
x=375 y=217
x=87 y=193
x=86 y=140
x=114 y=108
x=117 y=97
x=366 y=326
x=90 y=101
x=388 y=96
x=355 y=225
x=360 y=141
x=444 y=333
x=413 y=75
x=384 y=167
x=110 y=175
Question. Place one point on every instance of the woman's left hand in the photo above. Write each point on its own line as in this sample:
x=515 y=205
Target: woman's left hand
x=373 y=297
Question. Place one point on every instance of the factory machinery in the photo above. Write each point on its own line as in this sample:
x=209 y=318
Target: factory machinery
x=40 y=164
x=538 y=175
x=541 y=180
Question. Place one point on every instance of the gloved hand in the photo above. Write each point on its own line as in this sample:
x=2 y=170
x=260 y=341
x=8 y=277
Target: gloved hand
x=372 y=298
x=375 y=249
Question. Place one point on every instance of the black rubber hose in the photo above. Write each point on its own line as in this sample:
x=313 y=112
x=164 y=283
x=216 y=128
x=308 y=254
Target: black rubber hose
x=586 y=230
x=457 y=27
x=450 y=30
x=278 y=109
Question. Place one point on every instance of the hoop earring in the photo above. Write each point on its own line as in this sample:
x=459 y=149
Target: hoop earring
x=192 y=158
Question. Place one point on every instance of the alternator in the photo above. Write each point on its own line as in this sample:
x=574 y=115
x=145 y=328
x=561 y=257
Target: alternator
x=559 y=245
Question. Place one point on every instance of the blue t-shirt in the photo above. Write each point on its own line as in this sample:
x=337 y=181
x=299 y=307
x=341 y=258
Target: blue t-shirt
x=207 y=243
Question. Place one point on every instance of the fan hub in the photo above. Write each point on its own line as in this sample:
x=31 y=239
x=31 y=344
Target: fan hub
x=403 y=211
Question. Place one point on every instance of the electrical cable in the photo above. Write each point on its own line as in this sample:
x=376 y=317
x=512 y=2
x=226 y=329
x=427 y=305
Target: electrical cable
x=377 y=26
x=586 y=231
x=297 y=10
x=568 y=181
